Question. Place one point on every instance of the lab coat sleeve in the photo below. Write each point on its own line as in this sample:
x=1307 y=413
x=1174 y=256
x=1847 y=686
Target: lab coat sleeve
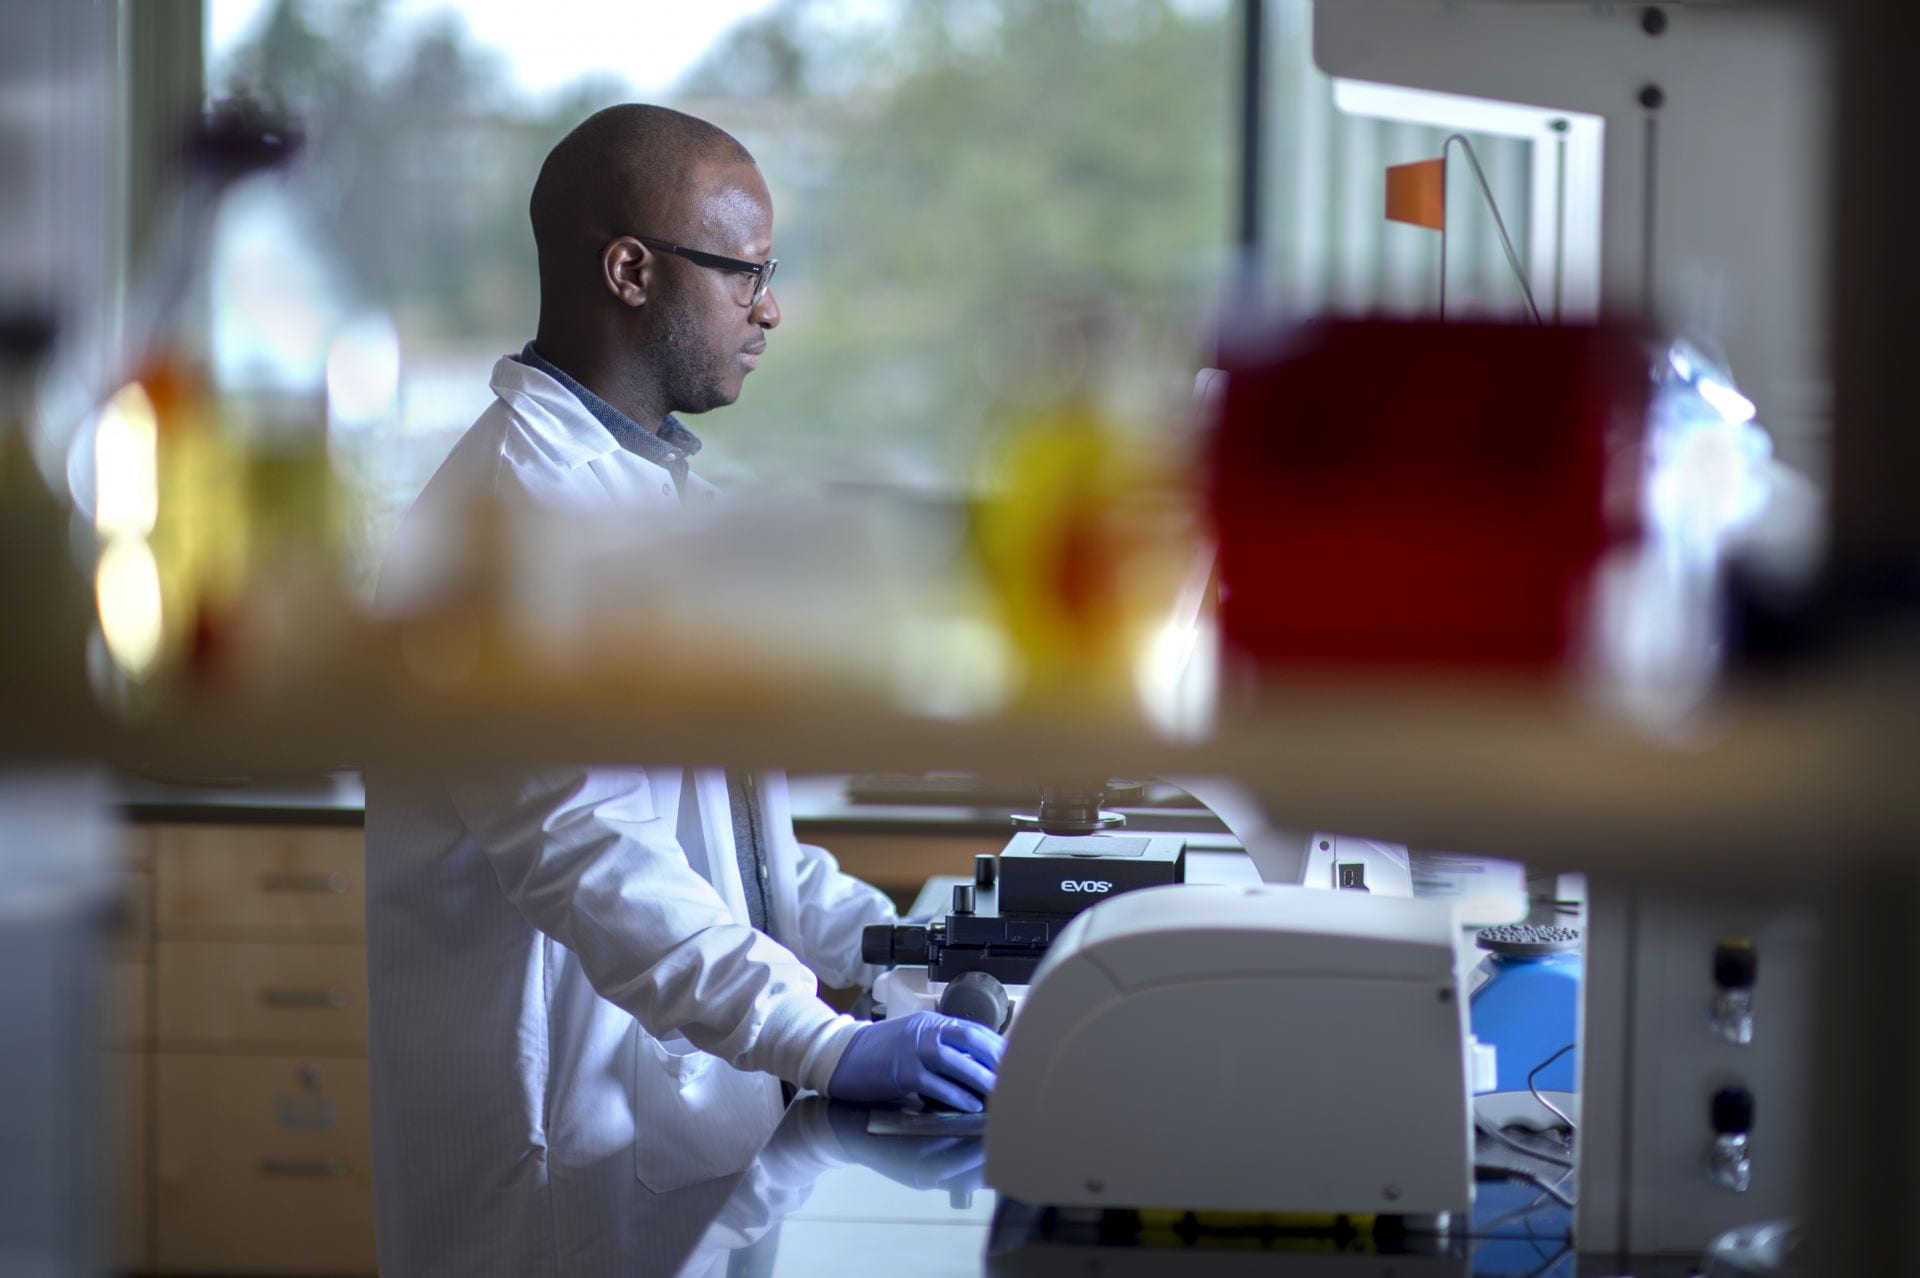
x=834 y=907
x=587 y=859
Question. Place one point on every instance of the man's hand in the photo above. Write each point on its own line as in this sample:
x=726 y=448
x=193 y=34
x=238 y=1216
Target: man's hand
x=938 y=1058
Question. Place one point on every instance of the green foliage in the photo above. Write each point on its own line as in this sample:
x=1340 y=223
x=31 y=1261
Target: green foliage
x=975 y=179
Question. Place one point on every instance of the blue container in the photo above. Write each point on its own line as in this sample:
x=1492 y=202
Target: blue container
x=1530 y=1007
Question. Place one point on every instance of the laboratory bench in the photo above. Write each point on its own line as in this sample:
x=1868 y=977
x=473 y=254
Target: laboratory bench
x=827 y=1197
x=236 y=1054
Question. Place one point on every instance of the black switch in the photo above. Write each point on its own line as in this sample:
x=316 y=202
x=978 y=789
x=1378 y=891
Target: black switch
x=1732 y=1111
x=1735 y=964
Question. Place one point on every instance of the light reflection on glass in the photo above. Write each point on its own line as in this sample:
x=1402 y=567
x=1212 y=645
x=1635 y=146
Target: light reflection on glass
x=274 y=305
x=126 y=465
x=363 y=373
x=127 y=589
x=1728 y=402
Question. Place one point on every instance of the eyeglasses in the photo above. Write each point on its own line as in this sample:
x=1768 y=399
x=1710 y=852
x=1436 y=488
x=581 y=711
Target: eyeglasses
x=762 y=272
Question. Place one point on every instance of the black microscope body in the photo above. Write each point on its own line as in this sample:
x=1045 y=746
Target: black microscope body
x=1002 y=923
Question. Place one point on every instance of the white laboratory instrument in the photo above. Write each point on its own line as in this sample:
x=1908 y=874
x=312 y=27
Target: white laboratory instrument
x=1696 y=1076
x=1318 y=859
x=1482 y=890
x=1242 y=1049
x=1349 y=864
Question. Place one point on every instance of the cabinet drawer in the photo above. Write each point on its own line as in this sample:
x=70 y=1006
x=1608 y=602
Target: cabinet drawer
x=274 y=877
x=235 y=993
x=130 y=926
x=125 y=1075
x=124 y=988
x=262 y=1165
x=136 y=848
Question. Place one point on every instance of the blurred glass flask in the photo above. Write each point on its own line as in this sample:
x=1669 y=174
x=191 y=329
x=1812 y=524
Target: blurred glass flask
x=1079 y=536
x=214 y=499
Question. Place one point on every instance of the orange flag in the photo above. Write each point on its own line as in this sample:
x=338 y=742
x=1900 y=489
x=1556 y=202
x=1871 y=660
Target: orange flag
x=1417 y=193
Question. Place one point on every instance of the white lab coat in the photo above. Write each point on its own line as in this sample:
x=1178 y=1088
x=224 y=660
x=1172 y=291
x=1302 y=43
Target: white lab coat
x=563 y=979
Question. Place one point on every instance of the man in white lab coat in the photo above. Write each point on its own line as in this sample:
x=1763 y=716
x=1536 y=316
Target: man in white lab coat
x=587 y=983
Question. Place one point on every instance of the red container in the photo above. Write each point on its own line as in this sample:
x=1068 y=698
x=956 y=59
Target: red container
x=1422 y=494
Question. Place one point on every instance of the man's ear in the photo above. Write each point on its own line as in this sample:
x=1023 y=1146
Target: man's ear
x=626 y=268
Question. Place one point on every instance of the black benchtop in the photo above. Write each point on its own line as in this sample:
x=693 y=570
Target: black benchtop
x=821 y=807
x=339 y=799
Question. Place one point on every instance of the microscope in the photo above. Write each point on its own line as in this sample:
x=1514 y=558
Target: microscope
x=976 y=960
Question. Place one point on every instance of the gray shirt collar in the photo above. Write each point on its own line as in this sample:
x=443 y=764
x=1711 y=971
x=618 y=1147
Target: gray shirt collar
x=669 y=449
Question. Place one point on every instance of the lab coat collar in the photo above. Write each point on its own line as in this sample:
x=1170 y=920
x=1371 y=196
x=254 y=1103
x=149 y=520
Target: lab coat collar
x=561 y=427
x=562 y=424
x=671 y=445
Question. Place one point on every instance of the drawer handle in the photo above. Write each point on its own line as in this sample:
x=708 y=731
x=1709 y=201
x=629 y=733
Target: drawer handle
x=335 y=883
x=283 y=996
x=306 y=1111
x=304 y=1168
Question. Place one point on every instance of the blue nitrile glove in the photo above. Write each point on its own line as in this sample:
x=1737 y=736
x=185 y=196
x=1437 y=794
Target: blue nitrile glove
x=939 y=1058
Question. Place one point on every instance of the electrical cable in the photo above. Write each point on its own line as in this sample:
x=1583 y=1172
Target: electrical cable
x=1552 y=1261
x=1534 y=1240
x=1565 y=1176
x=1488 y=1129
x=1535 y=1091
x=1499 y=224
x=1518 y=1213
x=1497 y=1171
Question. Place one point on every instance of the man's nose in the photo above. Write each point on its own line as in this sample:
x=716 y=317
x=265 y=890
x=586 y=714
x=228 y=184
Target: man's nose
x=766 y=312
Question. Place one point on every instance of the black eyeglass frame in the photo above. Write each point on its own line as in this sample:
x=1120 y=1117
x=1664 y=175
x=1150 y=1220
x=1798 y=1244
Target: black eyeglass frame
x=762 y=272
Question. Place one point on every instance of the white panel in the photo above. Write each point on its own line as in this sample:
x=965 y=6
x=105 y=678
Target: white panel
x=1555 y=137
x=1650 y=1064
x=1738 y=154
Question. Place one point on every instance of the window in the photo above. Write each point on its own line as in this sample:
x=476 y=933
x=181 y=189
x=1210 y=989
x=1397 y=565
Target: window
x=940 y=173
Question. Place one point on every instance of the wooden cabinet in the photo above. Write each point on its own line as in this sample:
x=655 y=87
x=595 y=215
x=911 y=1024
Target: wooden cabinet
x=269 y=881
x=126 y=1001
x=262 y=1165
x=238 y=1023
x=258 y=996
x=127 y=1085
x=126 y=993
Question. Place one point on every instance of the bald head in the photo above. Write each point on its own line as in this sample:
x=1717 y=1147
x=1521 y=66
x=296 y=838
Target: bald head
x=626 y=170
x=655 y=234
